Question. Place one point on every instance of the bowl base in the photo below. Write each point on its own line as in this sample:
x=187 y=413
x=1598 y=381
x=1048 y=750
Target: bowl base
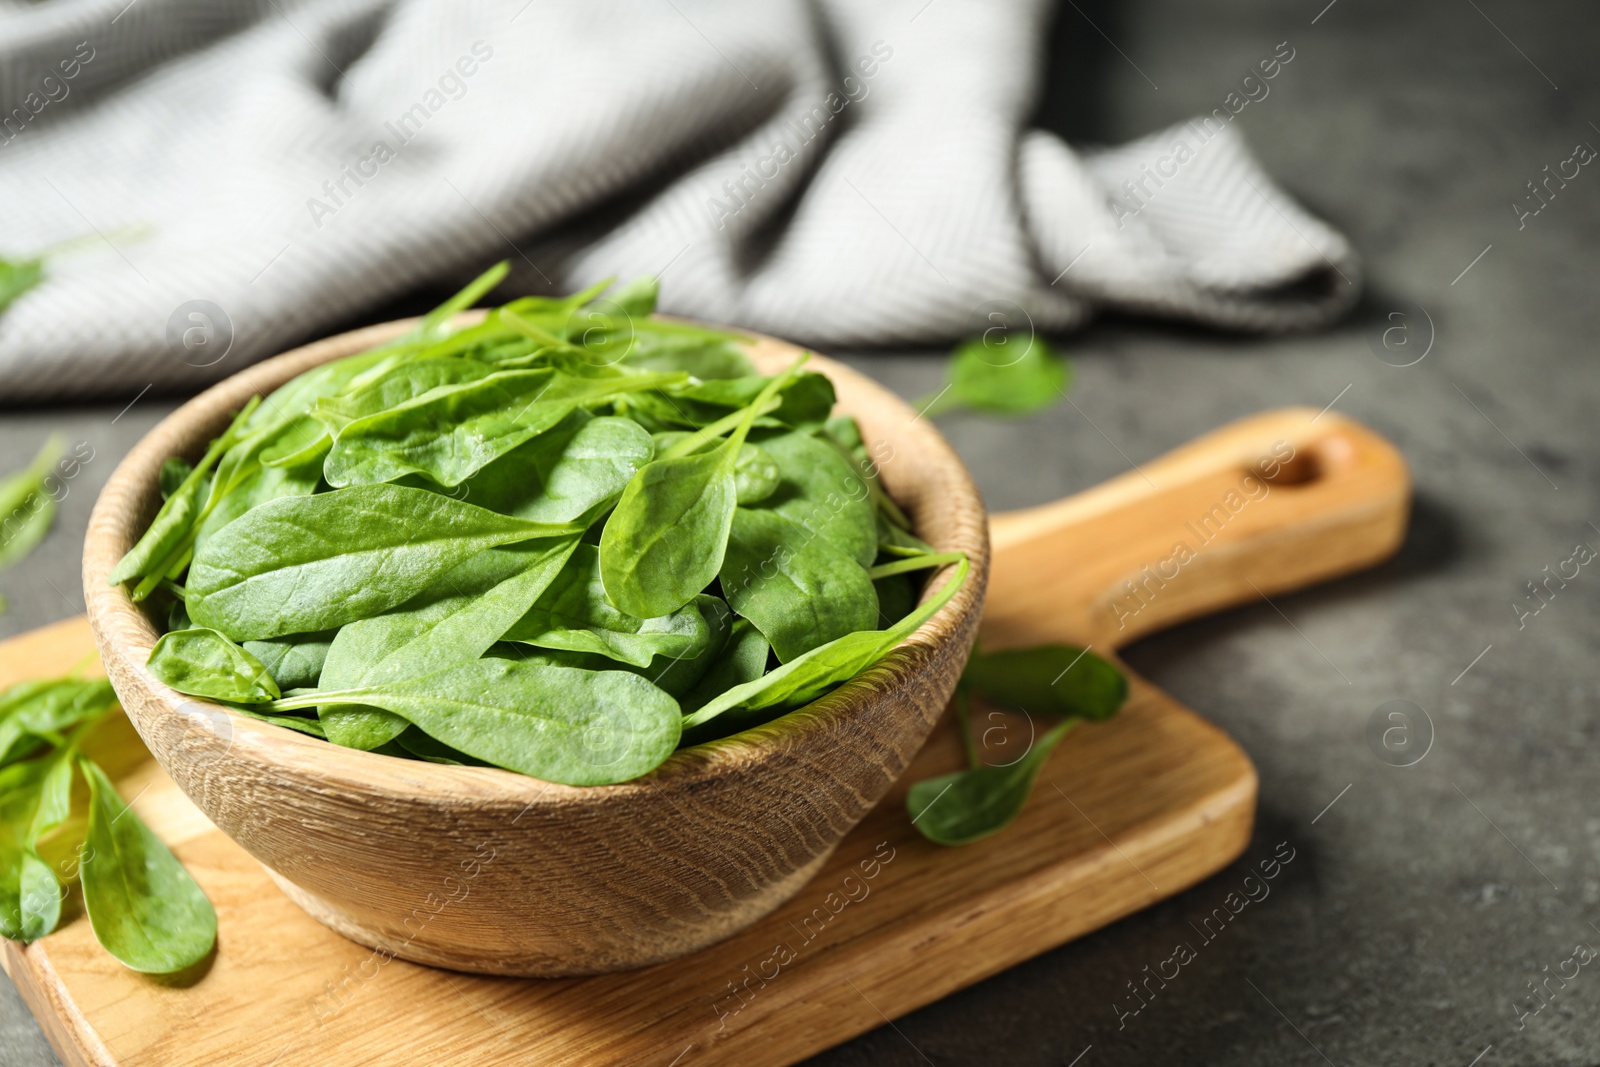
x=510 y=960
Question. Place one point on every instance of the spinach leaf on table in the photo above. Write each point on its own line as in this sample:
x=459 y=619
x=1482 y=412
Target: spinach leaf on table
x=144 y=907
x=1017 y=376
x=1062 y=680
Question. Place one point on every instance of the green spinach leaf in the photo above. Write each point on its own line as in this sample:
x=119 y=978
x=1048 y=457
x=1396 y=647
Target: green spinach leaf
x=959 y=808
x=560 y=724
x=796 y=587
x=204 y=663
x=299 y=564
x=144 y=907
x=1014 y=377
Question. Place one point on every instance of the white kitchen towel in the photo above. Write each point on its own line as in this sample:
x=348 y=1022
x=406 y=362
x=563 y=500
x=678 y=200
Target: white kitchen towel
x=235 y=176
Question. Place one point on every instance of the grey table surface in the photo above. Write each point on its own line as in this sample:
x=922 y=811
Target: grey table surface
x=1422 y=900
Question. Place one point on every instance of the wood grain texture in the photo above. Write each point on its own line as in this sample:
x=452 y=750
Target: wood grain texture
x=1270 y=503
x=585 y=880
x=1125 y=813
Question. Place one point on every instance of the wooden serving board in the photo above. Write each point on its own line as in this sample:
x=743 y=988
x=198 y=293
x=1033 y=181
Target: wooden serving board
x=1125 y=813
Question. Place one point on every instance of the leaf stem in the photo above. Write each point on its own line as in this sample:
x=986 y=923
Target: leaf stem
x=915 y=563
x=963 y=704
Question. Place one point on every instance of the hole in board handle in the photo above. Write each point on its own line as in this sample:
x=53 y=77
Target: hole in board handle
x=1299 y=470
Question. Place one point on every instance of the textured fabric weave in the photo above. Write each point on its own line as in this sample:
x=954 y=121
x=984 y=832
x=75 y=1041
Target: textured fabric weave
x=840 y=174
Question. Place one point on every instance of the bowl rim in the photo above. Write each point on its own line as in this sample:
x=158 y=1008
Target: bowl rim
x=125 y=634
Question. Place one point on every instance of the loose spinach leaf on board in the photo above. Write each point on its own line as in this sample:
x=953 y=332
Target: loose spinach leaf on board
x=144 y=907
x=1062 y=680
x=959 y=808
x=1048 y=680
x=40 y=716
x=30 y=898
x=1019 y=376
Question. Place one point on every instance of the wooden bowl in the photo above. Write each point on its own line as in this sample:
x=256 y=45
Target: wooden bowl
x=489 y=871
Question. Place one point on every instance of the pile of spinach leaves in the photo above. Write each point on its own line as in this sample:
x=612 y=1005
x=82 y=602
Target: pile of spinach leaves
x=143 y=906
x=563 y=541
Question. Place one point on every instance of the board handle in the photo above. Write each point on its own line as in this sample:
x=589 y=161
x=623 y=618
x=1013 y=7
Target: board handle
x=1267 y=504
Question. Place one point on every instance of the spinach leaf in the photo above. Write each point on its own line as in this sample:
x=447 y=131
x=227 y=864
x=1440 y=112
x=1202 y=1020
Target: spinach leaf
x=43 y=714
x=1011 y=377
x=455 y=620
x=144 y=908
x=204 y=663
x=1050 y=680
x=807 y=676
x=26 y=505
x=299 y=564
x=742 y=661
x=959 y=808
x=17 y=276
x=677 y=675
x=566 y=474
x=560 y=724
x=573 y=614
x=174 y=469
x=30 y=896
x=294 y=661
x=40 y=889
x=168 y=532
x=665 y=540
x=755 y=475
x=451 y=432
x=823 y=492
x=704 y=354
x=797 y=588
